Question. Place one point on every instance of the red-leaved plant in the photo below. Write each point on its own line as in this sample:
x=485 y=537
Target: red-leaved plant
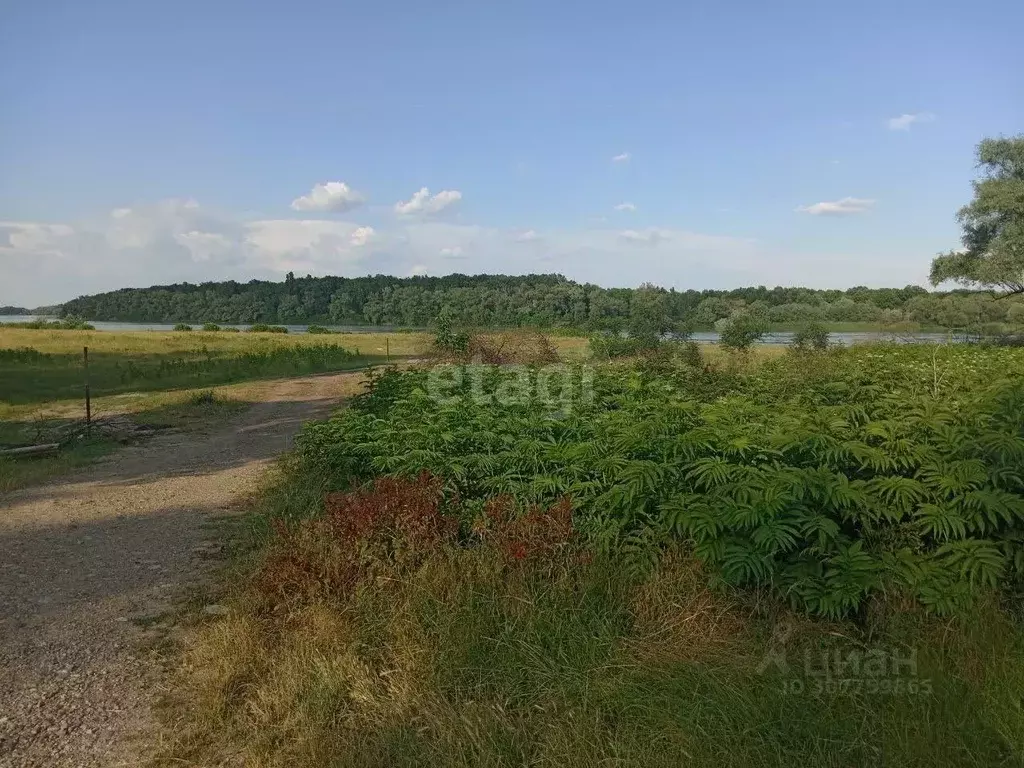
x=396 y=520
x=534 y=535
x=393 y=507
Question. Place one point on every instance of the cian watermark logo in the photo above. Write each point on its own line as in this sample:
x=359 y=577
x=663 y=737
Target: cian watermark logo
x=882 y=670
x=558 y=387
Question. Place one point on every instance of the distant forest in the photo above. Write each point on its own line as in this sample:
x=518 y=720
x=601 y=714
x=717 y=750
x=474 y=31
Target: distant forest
x=50 y=310
x=547 y=301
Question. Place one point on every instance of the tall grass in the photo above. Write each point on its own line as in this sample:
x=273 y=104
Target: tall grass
x=27 y=375
x=460 y=653
x=225 y=340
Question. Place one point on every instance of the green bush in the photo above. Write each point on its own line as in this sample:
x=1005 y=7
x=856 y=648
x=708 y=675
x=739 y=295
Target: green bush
x=211 y=327
x=881 y=470
x=264 y=328
x=21 y=355
x=318 y=329
x=691 y=355
x=740 y=332
x=810 y=336
x=182 y=327
x=448 y=341
x=607 y=346
x=69 y=323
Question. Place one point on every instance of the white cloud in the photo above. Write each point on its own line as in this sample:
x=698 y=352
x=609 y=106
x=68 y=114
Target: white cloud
x=625 y=207
x=903 y=122
x=362 y=235
x=304 y=245
x=622 y=158
x=418 y=271
x=651 y=236
x=179 y=241
x=203 y=245
x=30 y=235
x=336 y=196
x=844 y=207
x=421 y=202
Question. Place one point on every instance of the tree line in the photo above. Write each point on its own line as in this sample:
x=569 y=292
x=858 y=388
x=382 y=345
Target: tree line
x=545 y=301
x=990 y=266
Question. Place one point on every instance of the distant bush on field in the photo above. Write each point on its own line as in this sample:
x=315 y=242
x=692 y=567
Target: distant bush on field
x=21 y=355
x=182 y=327
x=264 y=328
x=211 y=327
x=811 y=336
x=64 y=324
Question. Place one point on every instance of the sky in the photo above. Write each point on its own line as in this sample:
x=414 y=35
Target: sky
x=692 y=145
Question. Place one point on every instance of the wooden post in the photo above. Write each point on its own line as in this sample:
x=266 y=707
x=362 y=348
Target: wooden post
x=387 y=348
x=88 y=400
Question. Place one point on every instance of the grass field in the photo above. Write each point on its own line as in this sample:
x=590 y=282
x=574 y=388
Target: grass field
x=155 y=379
x=45 y=366
x=808 y=559
x=152 y=377
x=168 y=342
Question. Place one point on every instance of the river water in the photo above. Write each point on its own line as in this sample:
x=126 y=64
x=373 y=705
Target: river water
x=847 y=338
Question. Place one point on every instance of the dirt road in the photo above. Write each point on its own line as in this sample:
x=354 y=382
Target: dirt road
x=91 y=563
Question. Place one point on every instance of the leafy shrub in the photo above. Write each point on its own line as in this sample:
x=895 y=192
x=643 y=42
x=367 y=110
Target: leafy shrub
x=691 y=355
x=608 y=346
x=318 y=329
x=810 y=336
x=448 y=341
x=264 y=328
x=182 y=327
x=230 y=330
x=740 y=332
x=887 y=471
x=21 y=355
x=211 y=327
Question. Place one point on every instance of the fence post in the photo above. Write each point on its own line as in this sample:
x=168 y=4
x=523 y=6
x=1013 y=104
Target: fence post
x=88 y=400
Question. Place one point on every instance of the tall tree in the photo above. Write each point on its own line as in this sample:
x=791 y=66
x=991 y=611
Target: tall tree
x=993 y=223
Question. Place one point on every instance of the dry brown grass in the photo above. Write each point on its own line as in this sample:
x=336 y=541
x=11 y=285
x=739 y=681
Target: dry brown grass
x=299 y=684
x=718 y=356
x=329 y=678
x=678 y=618
x=169 y=342
x=523 y=348
x=520 y=347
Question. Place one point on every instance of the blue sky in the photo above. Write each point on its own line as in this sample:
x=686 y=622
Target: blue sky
x=796 y=143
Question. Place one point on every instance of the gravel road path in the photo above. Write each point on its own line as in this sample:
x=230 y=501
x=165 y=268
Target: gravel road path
x=90 y=564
